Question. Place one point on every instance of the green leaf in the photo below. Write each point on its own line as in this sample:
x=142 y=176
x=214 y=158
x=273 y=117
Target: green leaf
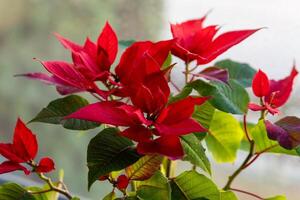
x=157 y=187
x=241 y=72
x=59 y=108
x=42 y=196
x=224 y=137
x=75 y=198
x=228 y=195
x=167 y=62
x=262 y=142
x=230 y=98
x=186 y=91
x=126 y=43
x=204 y=114
x=279 y=197
x=144 y=168
x=194 y=152
x=13 y=191
x=192 y=185
x=110 y=196
x=107 y=152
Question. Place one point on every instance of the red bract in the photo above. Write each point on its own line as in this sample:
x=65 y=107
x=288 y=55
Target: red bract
x=196 y=42
x=23 y=150
x=274 y=93
x=167 y=125
x=280 y=90
x=91 y=62
x=95 y=57
x=260 y=84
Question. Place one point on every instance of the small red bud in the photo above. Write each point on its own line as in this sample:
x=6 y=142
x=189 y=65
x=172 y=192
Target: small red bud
x=122 y=182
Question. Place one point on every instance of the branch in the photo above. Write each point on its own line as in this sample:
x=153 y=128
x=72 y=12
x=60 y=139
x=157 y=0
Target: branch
x=245 y=192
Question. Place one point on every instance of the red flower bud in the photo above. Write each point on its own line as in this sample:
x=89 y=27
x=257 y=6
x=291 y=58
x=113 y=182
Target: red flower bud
x=122 y=182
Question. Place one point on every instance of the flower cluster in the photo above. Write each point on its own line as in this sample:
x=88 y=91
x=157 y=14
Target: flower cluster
x=23 y=150
x=137 y=91
x=274 y=94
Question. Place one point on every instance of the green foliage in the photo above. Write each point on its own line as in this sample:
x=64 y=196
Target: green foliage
x=231 y=98
x=144 y=168
x=279 y=197
x=13 y=191
x=125 y=43
x=194 y=152
x=157 y=187
x=262 y=142
x=224 y=138
x=186 y=91
x=241 y=72
x=56 y=110
x=192 y=185
x=109 y=152
x=228 y=195
x=167 y=62
x=110 y=196
x=204 y=114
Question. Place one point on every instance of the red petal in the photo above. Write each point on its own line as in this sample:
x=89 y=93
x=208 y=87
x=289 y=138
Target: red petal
x=45 y=165
x=168 y=146
x=7 y=151
x=142 y=59
x=280 y=90
x=180 y=110
x=223 y=43
x=68 y=44
x=187 y=28
x=260 y=84
x=69 y=74
x=122 y=182
x=255 y=107
x=9 y=166
x=180 y=128
x=108 y=42
x=137 y=133
x=110 y=112
x=24 y=142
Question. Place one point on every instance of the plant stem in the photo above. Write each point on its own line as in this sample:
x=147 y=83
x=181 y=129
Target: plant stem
x=170 y=170
x=53 y=187
x=249 y=193
x=187 y=71
x=240 y=169
x=247 y=159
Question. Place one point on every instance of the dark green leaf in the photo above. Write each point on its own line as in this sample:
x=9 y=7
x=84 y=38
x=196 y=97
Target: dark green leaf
x=59 y=108
x=107 y=152
x=231 y=98
x=224 y=138
x=194 y=152
x=191 y=185
x=241 y=72
x=157 y=187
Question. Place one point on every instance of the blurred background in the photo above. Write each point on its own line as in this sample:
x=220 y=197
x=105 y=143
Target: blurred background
x=26 y=28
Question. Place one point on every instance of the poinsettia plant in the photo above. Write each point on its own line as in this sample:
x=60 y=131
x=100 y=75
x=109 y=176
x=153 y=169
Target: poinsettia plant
x=147 y=122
